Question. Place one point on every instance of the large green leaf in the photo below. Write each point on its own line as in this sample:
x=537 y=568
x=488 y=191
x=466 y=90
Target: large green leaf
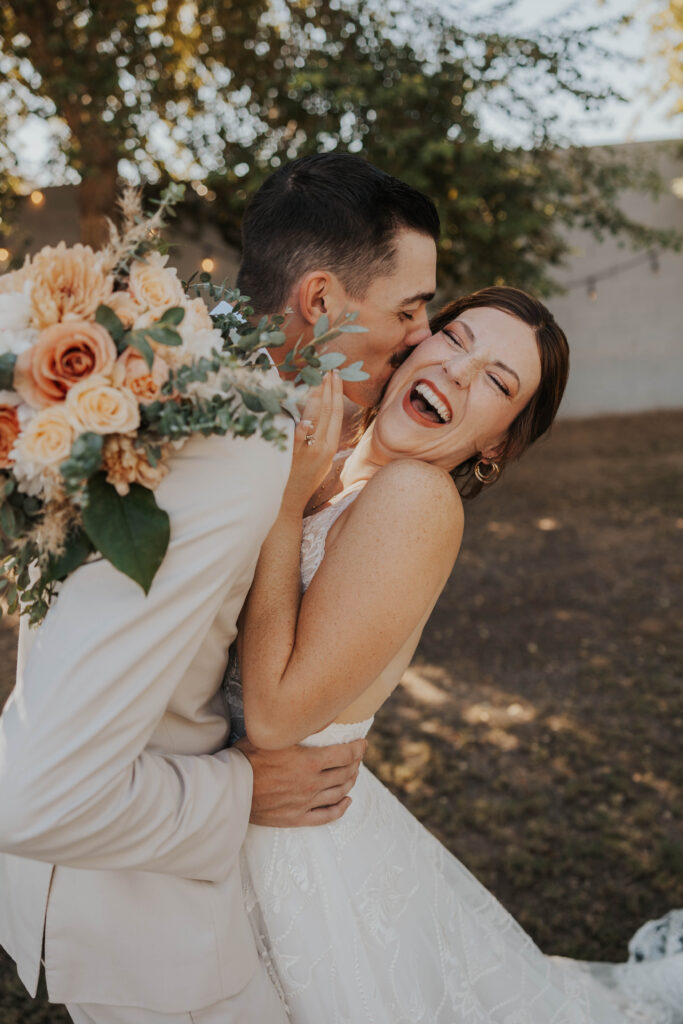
x=132 y=532
x=77 y=549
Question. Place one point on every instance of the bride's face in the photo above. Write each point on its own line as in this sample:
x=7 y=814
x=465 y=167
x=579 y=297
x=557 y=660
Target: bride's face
x=459 y=391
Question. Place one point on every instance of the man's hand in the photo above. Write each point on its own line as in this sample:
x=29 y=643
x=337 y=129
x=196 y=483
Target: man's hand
x=302 y=785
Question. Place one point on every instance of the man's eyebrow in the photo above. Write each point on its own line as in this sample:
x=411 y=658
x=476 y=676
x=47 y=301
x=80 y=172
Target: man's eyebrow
x=420 y=297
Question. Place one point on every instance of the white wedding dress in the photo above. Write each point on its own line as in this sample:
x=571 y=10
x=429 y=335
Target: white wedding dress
x=370 y=920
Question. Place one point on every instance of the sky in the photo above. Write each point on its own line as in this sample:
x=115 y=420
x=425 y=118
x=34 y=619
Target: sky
x=639 y=119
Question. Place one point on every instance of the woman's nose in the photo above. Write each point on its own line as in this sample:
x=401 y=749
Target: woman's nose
x=459 y=368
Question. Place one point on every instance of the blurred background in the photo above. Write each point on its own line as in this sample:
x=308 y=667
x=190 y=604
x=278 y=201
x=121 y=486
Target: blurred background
x=538 y=732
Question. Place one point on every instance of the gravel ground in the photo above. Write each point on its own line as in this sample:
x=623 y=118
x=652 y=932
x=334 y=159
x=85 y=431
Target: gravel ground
x=538 y=731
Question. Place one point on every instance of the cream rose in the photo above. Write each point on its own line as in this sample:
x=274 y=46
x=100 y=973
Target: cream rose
x=95 y=405
x=154 y=286
x=63 y=355
x=46 y=441
x=131 y=371
x=125 y=307
x=15 y=309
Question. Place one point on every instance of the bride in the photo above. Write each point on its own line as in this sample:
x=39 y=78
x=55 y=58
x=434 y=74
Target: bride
x=370 y=919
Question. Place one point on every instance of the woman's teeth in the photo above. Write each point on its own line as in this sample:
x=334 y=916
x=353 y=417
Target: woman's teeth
x=433 y=400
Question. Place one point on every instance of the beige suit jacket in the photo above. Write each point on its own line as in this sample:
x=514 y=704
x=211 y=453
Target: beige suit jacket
x=113 y=763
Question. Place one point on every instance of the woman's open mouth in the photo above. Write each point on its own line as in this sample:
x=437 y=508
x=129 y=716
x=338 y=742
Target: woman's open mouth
x=426 y=405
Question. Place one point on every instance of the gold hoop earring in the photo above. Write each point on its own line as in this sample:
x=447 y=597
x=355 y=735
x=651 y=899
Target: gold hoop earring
x=490 y=475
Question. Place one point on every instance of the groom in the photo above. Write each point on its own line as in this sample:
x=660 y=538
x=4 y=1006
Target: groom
x=121 y=810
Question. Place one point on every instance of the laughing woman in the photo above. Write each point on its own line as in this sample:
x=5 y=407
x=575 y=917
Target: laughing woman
x=370 y=919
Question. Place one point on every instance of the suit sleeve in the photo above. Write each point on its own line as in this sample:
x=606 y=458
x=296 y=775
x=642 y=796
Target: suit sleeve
x=79 y=784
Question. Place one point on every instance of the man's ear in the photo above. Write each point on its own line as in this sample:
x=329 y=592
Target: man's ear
x=312 y=295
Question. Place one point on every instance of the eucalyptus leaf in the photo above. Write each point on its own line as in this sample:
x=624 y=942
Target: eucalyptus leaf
x=164 y=336
x=331 y=360
x=353 y=372
x=175 y=315
x=311 y=376
x=131 y=531
x=8 y=520
x=321 y=326
x=352 y=329
x=108 y=319
x=7 y=364
x=137 y=340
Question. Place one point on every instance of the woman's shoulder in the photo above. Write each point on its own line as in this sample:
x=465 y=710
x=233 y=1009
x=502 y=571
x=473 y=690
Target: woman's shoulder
x=412 y=494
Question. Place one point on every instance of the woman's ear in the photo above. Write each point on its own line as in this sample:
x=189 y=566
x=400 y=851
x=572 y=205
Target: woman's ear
x=494 y=449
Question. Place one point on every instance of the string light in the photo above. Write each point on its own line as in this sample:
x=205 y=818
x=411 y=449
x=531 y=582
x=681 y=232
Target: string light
x=208 y=265
x=590 y=283
x=4 y=255
x=37 y=197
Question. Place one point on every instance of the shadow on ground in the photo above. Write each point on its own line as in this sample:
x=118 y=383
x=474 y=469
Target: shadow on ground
x=537 y=733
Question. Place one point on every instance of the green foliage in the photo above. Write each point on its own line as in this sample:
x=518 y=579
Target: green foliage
x=233 y=91
x=131 y=531
x=7 y=364
x=667 y=28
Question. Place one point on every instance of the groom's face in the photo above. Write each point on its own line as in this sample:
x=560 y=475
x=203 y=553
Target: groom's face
x=394 y=313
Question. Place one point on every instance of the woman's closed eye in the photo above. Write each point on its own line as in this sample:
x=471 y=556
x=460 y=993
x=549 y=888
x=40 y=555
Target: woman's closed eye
x=500 y=384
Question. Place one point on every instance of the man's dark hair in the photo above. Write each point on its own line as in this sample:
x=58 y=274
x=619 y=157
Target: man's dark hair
x=331 y=211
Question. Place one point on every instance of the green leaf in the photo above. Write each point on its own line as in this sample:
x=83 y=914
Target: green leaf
x=253 y=402
x=132 y=532
x=7 y=363
x=163 y=335
x=137 y=340
x=321 y=326
x=311 y=376
x=78 y=547
x=8 y=520
x=352 y=329
x=108 y=319
x=354 y=372
x=175 y=315
x=331 y=360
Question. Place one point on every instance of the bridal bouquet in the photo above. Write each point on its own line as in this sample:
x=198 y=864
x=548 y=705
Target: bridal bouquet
x=107 y=363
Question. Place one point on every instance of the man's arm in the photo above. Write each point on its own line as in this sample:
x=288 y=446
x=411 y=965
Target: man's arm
x=77 y=784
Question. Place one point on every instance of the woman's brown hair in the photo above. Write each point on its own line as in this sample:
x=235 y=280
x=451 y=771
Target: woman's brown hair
x=539 y=412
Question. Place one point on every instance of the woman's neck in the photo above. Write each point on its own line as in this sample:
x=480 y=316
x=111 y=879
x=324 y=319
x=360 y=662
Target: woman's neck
x=363 y=462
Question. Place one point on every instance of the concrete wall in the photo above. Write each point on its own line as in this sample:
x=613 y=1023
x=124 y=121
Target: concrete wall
x=626 y=342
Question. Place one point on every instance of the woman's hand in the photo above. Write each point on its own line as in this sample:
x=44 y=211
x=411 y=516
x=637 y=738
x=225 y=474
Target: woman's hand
x=316 y=440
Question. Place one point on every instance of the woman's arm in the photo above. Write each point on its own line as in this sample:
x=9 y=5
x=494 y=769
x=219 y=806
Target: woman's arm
x=304 y=662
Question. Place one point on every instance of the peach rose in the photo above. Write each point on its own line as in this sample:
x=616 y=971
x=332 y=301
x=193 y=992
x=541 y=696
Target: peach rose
x=154 y=286
x=95 y=405
x=63 y=355
x=45 y=441
x=125 y=307
x=68 y=284
x=9 y=432
x=131 y=371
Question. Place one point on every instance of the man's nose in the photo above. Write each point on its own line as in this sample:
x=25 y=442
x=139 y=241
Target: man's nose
x=419 y=329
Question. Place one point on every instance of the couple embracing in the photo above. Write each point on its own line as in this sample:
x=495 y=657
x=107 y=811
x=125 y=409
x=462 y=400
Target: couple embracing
x=130 y=868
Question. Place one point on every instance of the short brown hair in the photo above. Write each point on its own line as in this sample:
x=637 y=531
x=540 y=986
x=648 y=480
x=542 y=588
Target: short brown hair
x=539 y=412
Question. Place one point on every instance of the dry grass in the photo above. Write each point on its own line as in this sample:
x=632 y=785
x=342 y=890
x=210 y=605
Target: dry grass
x=538 y=732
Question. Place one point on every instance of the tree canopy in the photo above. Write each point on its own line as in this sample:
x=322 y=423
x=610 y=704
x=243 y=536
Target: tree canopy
x=219 y=92
x=667 y=24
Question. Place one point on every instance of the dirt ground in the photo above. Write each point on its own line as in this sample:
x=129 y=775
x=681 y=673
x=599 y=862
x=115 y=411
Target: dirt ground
x=538 y=732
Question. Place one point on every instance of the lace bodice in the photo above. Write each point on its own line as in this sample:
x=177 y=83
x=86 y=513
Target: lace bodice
x=315 y=531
